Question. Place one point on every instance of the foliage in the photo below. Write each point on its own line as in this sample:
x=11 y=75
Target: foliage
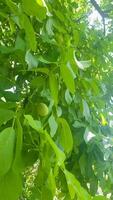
x=55 y=99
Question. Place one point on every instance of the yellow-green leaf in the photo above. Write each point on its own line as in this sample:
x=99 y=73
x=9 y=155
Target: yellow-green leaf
x=34 y=8
x=66 y=136
x=10 y=186
x=7 y=142
x=68 y=78
x=53 y=83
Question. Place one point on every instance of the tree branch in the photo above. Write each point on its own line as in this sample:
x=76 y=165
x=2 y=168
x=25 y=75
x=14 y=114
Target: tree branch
x=97 y=7
x=102 y=13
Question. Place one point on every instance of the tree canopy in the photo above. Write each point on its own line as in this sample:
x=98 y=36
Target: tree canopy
x=56 y=99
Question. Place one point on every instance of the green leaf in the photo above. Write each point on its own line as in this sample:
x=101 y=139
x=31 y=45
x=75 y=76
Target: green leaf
x=12 y=25
x=5 y=115
x=60 y=15
x=12 y=6
x=51 y=183
x=10 y=186
x=40 y=2
x=37 y=82
x=76 y=37
x=68 y=97
x=93 y=185
x=49 y=27
x=29 y=31
x=75 y=187
x=6 y=50
x=83 y=64
x=34 y=8
x=7 y=142
x=73 y=184
x=5 y=83
x=11 y=96
x=31 y=60
x=53 y=83
x=50 y=56
x=86 y=111
x=68 y=78
x=4 y=15
x=43 y=70
x=43 y=60
x=7 y=105
x=59 y=26
x=53 y=125
x=78 y=124
x=83 y=163
x=99 y=198
x=20 y=44
x=66 y=136
x=18 y=149
x=59 y=154
x=32 y=122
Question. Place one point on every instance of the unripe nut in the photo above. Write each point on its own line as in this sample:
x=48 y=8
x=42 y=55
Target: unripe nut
x=42 y=109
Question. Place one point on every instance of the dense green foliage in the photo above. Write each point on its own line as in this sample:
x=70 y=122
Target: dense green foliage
x=56 y=100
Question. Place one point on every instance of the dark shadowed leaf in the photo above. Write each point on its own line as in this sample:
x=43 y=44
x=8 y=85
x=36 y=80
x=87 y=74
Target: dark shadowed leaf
x=5 y=115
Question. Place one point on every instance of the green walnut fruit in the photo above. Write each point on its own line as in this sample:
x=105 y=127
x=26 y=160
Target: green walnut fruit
x=42 y=109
